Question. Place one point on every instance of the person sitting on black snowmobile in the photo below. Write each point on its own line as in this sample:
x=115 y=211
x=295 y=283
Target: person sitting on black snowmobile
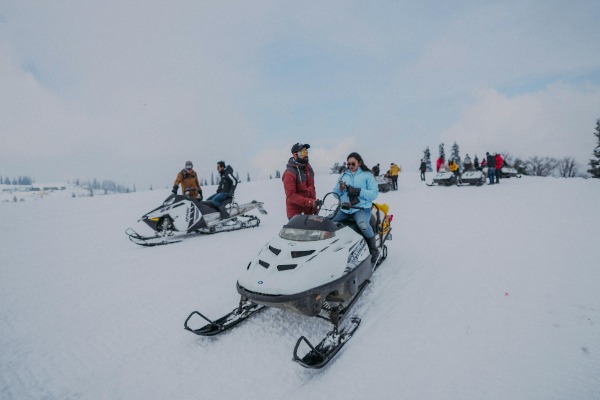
x=226 y=188
x=188 y=179
x=358 y=187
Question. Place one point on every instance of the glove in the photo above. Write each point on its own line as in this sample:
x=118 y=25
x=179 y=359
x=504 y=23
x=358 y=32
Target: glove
x=174 y=191
x=353 y=192
x=346 y=206
x=318 y=203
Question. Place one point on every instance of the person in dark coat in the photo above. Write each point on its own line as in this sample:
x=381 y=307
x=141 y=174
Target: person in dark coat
x=423 y=168
x=299 y=183
x=491 y=164
x=375 y=170
x=225 y=190
x=476 y=163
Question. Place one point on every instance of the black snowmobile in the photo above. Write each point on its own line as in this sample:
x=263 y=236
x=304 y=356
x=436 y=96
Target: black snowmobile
x=314 y=267
x=181 y=215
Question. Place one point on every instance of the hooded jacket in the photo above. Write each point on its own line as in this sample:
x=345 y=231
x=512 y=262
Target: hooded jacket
x=394 y=169
x=499 y=161
x=228 y=183
x=188 y=180
x=299 y=185
x=363 y=180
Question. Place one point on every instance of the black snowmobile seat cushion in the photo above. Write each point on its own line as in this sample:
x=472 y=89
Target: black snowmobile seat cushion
x=311 y=222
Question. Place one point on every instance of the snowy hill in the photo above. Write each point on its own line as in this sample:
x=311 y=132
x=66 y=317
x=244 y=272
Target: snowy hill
x=488 y=293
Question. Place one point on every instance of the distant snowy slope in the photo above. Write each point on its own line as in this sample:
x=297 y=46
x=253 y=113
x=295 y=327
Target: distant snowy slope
x=488 y=293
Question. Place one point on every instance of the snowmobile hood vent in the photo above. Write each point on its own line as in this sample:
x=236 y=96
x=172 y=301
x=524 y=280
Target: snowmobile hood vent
x=274 y=250
x=296 y=254
x=285 y=267
x=264 y=264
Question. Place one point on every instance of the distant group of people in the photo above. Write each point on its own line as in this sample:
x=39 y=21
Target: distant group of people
x=493 y=162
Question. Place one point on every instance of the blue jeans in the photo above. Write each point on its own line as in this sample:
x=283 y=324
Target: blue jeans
x=491 y=174
x=362 y=218
x=217 y=199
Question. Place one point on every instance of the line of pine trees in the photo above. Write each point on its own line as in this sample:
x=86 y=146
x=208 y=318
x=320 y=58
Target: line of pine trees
x=21 y=180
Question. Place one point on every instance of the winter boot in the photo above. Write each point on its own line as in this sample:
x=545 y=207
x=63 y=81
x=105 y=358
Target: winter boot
x=371 y=242
x=223 y=212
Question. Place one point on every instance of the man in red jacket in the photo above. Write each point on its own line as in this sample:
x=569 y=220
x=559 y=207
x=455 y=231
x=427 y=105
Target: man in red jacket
x=499 y=165
x=299 y=183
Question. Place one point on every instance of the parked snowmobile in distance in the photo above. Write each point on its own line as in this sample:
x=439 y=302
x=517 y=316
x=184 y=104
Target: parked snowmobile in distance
x=314 y=267
x=472 y=177
x=509 y=172
x=181 y=215
x=384 y=183
x=443 y=179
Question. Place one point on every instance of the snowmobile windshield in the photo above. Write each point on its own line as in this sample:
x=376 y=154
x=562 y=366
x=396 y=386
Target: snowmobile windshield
x=306 y=228
x=304 y=235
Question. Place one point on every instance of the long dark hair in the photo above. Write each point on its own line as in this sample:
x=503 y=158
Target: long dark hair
x=358 y=158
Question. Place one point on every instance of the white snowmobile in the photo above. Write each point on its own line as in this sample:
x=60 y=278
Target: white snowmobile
x=445 y=178
x=315 y=267
x=180 y=216
x=383 y=183
x=509 y=172
x=472 y=177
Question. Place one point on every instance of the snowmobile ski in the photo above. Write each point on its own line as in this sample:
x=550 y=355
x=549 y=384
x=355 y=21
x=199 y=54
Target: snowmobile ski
x=321 y=354
x=150 y=241
x=237 y=315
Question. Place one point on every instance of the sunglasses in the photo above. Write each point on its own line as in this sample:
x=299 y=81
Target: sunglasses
x=303 y=153
x=352 y=164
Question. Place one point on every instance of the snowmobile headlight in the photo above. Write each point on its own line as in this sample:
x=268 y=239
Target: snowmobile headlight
x=304 y=235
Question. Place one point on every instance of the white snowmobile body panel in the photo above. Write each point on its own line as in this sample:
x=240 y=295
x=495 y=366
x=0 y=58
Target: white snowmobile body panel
x=286 y=274
x=302 y=275
x=472 y=177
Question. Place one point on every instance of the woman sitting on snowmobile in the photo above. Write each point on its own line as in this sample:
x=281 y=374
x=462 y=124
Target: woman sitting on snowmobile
x=358 y=187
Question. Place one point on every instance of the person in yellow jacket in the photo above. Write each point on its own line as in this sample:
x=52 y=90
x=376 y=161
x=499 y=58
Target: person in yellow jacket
x=188 y=179
x=394 y=170
x=453 y=167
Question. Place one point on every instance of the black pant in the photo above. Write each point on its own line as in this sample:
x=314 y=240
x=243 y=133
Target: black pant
x=422 y=175
x=394 y=182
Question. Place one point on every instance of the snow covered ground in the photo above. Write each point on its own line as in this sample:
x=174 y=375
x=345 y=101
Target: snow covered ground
x=488 y=292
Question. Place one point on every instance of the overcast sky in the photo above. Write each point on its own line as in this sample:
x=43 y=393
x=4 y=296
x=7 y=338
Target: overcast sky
x=130 y=90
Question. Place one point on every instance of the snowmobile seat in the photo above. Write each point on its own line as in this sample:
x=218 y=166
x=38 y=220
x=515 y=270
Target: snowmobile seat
x=375 y=221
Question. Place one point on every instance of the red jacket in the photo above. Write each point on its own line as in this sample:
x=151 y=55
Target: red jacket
x=438 y=164
x=499 y=161
x=299 y=185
